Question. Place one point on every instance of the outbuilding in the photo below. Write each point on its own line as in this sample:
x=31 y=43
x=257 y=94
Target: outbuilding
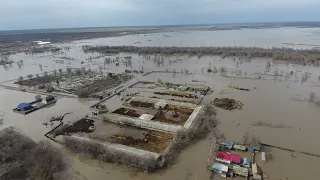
x=245 y=162
x=24 y=106
x=240 y=171
x=221 y=169
x=146 y=117
x=233 y=158
x=256 y=171
x=226 y=144
x=161 y=105
x=240 y=147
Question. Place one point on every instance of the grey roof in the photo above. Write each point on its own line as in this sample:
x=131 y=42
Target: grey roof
x=219 y=167
x=146 y=117
x=241 y=171
x=227 y=144
x=245 y=161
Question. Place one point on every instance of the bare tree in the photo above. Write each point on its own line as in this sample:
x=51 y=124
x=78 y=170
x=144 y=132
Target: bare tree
x=215 y=69
x=250 y=140
x=223 y=71
x=312 y=97
x=20 y=79
x=37 y=97
x=30 y=76
x=55 y=72
x=186 y=71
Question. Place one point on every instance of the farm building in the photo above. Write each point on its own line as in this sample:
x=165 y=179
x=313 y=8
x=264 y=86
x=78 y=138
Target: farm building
x=221 y=169
x=240 y=171
x=254 y=149
x=239 y=147
x=48 y=99
x=227 y=144
x=256 y=171
x=232 y=158
x=161 y=105
x=146 y=117
x=245 y=162
x=263 y=156
x=24 y=106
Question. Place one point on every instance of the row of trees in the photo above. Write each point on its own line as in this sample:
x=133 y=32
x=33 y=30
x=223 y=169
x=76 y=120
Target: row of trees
x=305 y=55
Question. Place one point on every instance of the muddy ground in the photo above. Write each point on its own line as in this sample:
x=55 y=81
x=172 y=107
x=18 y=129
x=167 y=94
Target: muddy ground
x=140 y=138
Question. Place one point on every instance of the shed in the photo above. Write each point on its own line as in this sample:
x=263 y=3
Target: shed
x=161 y=104
x=240 y=171
x=233 y=158
x=24 y=106
x=50 y=98
x=254 y=148
x=240 y=147
x=246 y=162
x=256 y=171
x=146 y=117
x=220 y=169
x=263 y=156
x=227 y=144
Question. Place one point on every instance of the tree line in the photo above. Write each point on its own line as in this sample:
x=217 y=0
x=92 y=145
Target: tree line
x=305 y=55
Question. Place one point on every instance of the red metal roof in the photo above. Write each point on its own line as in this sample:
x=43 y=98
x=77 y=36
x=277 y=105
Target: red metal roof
x=230 y=157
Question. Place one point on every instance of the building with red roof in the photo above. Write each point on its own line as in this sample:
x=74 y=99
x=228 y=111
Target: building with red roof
x=228 y=157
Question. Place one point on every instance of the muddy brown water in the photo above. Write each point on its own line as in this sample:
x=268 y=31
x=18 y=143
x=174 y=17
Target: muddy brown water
x=274 y=100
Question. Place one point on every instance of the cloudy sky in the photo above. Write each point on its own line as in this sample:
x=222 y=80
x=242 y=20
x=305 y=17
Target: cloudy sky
x=38 y=14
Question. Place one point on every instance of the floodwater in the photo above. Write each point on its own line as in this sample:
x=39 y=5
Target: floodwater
x=274 y=37
x=277 y=100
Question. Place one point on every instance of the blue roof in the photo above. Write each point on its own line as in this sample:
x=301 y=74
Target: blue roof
x=219 y=167
x=23 y=105
x=228 y=144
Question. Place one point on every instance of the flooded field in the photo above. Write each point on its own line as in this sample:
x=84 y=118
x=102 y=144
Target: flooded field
x=277 y=109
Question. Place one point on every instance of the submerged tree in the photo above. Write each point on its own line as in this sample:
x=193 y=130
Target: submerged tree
x=30 y=76
x=312 y=97
x=250 y=140
x=20 y=79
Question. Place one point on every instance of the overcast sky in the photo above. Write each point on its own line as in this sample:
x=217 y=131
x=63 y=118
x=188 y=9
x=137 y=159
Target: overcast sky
x=36 y=14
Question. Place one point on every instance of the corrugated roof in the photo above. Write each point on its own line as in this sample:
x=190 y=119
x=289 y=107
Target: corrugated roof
x=228 y=156
x=240 y=147
x=146 y=117
x=263 y=156
x=161 y=103
x=219 y=167
x=246 y=161
x=241 y=171
x=23 y=105
x=256 y=169
x=227 y=143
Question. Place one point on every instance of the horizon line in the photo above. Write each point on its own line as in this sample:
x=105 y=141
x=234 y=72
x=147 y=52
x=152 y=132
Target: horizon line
x=163 y=25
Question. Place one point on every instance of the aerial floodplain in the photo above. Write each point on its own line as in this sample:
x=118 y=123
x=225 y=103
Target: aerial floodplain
x=173 y=102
